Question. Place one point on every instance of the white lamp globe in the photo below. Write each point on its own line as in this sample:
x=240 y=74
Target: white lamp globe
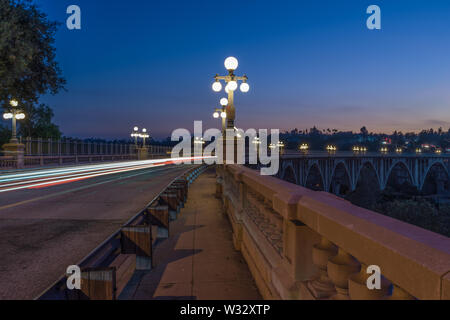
x=20 y=116
x=216 y=115
x=217 y=86
x=136 y=128
x=224 y=102
x=231 y=63
x=232 y=85
x=7 y=116
x=223 y=115
x=245 y=87
x=144 y=130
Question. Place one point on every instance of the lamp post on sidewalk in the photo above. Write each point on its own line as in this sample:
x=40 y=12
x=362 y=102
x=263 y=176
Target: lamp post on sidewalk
x=14 y=148
x=135 y=135
x=231 y=80
x=14 y=114
x=221 y=113
x=144 y=135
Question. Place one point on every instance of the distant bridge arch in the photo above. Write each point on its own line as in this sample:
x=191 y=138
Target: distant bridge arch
x=417 y=167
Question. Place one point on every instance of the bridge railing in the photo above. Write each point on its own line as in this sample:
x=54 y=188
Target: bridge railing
x=66 y=147
x=301 y=244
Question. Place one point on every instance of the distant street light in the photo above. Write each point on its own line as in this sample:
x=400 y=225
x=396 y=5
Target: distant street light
x=144 y=135
x=231 y=80
x=331 y=148
x=384 y=150
x=135 y=135
x=14 y=114
x=221 y=113
x=359 y=149
x=199 y=141
x=304 y=147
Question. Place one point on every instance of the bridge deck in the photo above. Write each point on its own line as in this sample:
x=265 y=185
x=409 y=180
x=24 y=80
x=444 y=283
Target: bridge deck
x=198 y=261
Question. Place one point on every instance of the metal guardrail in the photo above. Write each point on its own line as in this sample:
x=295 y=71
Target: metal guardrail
x=130 y=240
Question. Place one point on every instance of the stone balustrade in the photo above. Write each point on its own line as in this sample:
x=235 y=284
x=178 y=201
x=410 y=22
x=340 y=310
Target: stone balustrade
x=301 y=244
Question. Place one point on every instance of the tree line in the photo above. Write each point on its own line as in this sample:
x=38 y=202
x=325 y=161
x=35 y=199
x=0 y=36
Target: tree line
x=318 y=139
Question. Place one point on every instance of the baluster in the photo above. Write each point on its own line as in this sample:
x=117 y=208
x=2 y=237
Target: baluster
x=340 y=268
x=322 y=287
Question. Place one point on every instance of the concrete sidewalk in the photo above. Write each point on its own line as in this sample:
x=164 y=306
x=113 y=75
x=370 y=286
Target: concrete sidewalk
x=198 y=261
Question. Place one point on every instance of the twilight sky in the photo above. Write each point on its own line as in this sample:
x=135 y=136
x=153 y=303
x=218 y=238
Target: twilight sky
x=151 y=63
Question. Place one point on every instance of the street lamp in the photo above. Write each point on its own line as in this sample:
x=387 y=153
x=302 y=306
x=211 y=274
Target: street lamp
x=135 y=135
x=331 y=148
x=14 y=114
x=221 y=113
x=304 y=147
x=144 y=135
x=199 y=141
x=231 y=80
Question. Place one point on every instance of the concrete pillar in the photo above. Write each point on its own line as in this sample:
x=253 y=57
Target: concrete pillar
x=16 y=150
x=143 y=153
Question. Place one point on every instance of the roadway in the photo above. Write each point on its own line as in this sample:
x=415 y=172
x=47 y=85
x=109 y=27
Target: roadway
x=52 y=218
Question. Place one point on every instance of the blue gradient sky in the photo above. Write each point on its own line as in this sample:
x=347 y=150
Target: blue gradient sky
x=151 y=63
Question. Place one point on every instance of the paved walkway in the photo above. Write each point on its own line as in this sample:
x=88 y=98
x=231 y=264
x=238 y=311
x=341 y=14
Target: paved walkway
x=198 y=261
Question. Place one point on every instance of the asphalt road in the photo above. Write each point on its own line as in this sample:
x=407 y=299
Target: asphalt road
x=48 y=223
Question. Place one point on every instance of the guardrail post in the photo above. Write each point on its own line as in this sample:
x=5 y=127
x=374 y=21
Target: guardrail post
x=98 y=283
x=138 y=240
x=171 y=199
x=159 y=217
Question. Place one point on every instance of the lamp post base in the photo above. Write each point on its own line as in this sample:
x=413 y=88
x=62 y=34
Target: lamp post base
x=143 y=153
x=15 y=150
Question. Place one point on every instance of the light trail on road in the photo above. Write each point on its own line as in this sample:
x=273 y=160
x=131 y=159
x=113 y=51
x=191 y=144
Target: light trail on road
x=58 y=176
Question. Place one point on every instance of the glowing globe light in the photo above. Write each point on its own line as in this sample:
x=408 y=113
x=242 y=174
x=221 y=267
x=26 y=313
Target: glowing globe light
x=7 y=116
x=232 y=85
x=245 y=87
x=144 y=130
x=20 y=116
x=216 y=115
x=136 y=128
x=14 y=103
x=231 y=63
x=223 y=115
x=217 y=86
x=224 y=102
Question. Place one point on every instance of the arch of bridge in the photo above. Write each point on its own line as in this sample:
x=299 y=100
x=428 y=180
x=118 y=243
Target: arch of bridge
x=428 y=169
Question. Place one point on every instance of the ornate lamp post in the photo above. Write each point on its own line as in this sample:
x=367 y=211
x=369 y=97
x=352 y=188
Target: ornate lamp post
x=221 y=113
x=14 y=148
x=14 y=114
x=144 y=135
x=231 y=80
x=135 y=135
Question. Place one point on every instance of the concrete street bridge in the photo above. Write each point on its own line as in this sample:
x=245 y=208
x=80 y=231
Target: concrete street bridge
x=342 y=172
